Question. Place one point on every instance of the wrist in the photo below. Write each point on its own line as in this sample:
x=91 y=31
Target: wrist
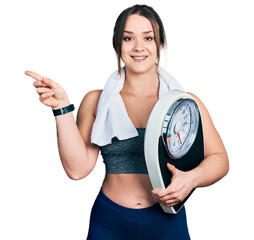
x=63 y=110
x=61 y=105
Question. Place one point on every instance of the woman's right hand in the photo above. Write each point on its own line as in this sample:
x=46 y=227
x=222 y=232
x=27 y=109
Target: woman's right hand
x=51 y=93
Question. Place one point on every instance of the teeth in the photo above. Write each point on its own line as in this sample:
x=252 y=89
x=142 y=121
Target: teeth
x=139 y=58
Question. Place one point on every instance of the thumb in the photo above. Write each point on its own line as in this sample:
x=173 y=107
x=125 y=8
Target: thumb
x=171 y=168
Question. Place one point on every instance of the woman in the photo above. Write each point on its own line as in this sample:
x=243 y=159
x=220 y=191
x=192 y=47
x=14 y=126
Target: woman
x=127 y=207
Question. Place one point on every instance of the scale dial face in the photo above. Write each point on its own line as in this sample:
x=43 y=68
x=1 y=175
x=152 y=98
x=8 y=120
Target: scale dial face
x=180 y=127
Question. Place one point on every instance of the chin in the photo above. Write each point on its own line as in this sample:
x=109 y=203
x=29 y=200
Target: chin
x=140 y=69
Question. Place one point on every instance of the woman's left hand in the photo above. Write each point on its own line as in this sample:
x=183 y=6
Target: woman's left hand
x=180 y=187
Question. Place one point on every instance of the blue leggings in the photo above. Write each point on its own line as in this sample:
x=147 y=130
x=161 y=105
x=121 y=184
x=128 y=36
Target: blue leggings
x=112 y=221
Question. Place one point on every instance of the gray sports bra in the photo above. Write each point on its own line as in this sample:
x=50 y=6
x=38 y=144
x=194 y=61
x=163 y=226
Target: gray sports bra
x=125 y=156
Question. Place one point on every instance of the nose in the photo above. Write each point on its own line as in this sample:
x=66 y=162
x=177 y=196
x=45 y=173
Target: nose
x=138 y=46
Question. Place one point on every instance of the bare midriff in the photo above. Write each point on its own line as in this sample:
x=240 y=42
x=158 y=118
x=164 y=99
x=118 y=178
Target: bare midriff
x=129 y=190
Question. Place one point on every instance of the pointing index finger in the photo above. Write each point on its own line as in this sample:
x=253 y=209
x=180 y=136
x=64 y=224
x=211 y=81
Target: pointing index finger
x=44 y=81
x=34 y=75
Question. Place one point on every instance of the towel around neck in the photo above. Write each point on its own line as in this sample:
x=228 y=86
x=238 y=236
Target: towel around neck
x=112 y=119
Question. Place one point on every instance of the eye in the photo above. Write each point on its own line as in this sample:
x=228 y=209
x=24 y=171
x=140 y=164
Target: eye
x=148 y=38
x=127 y=39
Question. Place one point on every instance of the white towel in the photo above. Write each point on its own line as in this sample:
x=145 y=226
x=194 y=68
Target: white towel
x=112 y=119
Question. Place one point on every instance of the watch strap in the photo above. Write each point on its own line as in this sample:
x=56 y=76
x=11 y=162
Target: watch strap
x=63 y=110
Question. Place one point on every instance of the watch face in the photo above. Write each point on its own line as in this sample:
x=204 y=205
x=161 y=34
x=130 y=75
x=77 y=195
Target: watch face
x=180 y=127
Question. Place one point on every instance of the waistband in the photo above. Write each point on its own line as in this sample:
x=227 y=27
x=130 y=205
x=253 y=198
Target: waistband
x=115 y=207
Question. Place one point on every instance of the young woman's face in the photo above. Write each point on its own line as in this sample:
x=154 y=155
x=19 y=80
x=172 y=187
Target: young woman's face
x=139 y=51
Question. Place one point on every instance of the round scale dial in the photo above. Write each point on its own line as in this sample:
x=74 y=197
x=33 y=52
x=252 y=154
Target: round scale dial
x=180 y=127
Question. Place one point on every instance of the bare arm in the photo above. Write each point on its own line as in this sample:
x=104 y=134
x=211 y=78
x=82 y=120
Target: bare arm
x=215 y=165
x=77 y=154
x=210 y=170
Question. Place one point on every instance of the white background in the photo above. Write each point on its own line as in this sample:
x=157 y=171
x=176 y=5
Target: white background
x=210 y=52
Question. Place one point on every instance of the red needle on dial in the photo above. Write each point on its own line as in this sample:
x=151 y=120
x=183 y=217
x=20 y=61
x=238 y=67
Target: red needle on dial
x=179 y=137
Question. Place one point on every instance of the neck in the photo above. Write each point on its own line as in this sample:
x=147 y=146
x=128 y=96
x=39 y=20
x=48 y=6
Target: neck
x=141 y=84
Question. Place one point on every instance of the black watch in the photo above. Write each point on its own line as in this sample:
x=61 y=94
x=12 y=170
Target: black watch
x=63 y=110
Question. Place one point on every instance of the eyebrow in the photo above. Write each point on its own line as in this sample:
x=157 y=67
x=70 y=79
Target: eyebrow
x=146 y=32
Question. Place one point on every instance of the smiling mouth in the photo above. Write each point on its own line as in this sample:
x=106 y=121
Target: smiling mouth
x=139 y=58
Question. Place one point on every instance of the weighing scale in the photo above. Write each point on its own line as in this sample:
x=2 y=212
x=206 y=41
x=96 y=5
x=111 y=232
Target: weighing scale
x=173 y=135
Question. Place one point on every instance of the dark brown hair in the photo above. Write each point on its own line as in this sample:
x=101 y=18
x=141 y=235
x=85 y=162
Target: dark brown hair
x=151 y=15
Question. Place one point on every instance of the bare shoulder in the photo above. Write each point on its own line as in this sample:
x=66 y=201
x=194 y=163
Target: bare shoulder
x=87 y=114
x=89 y=102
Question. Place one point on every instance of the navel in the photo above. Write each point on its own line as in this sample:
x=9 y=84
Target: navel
x=139 y=204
